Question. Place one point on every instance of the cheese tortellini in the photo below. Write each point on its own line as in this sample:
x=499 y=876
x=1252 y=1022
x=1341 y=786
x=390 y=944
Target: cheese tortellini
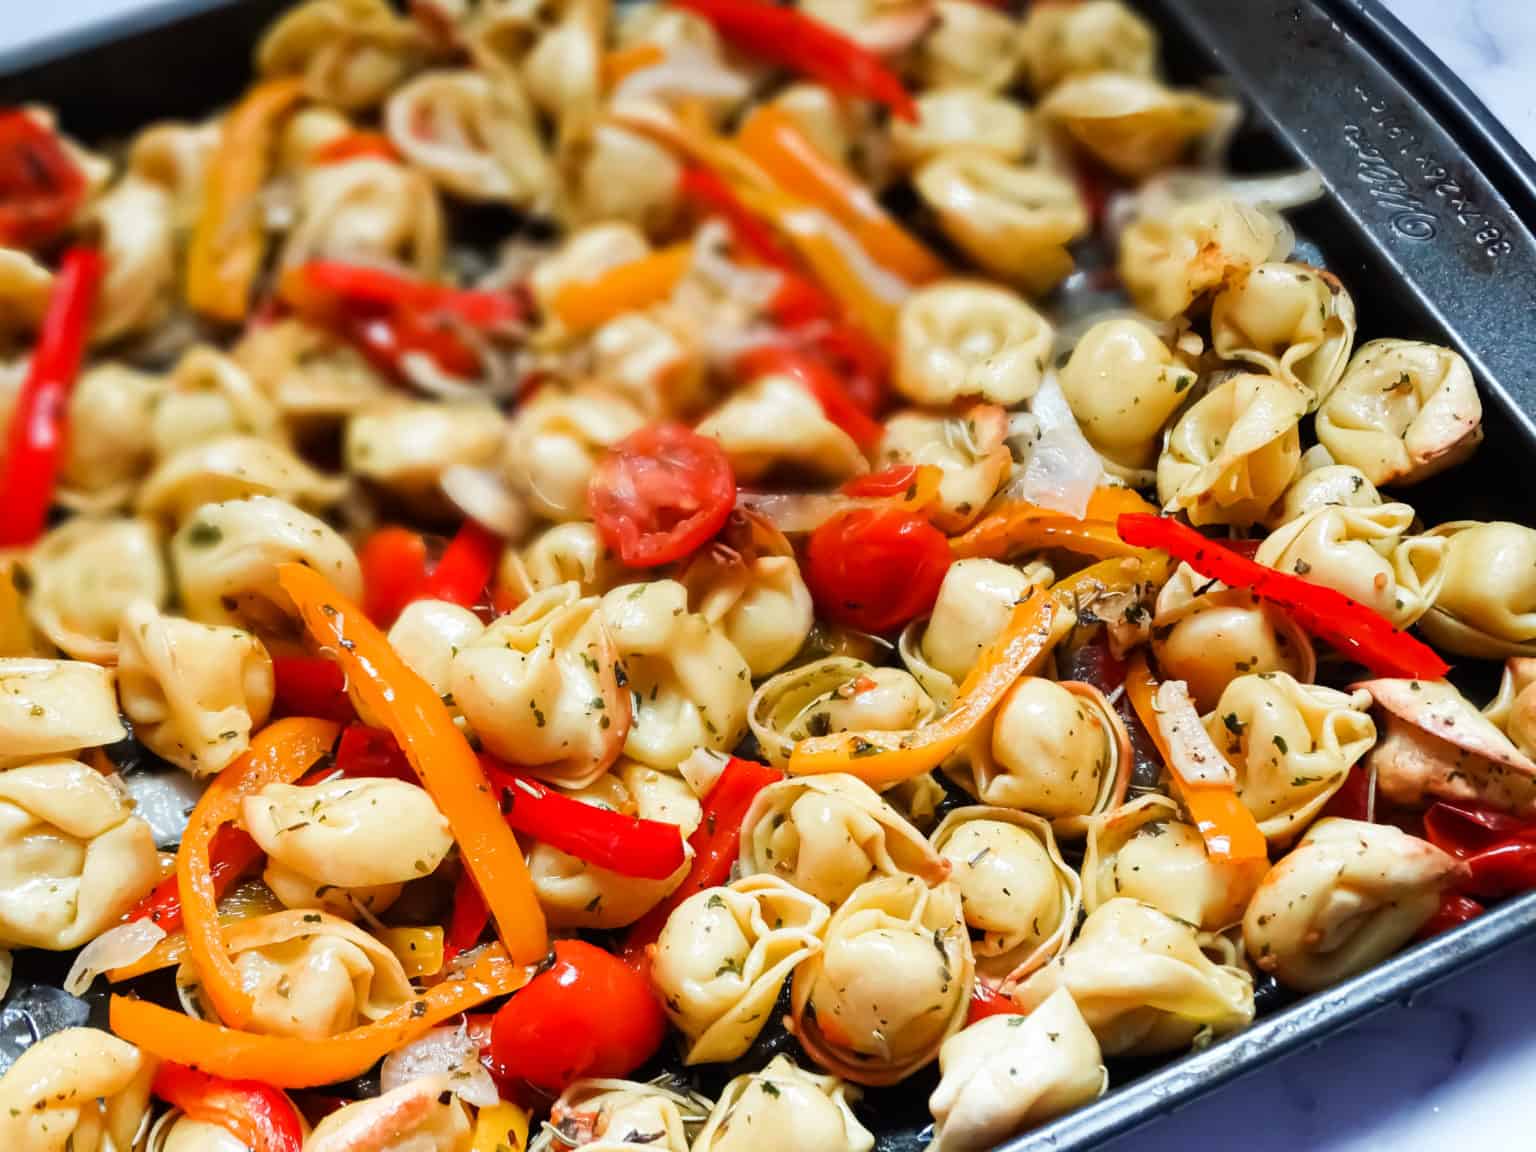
x=1169 y=260
x=84 y=573
x=350 y=53
x=1323 y=484
x=1346 y=897
x=55 y=708
x=407 y=447
x=1123 y=383
x=723 y=956
x=77 y=1090
x=834 y=694
x=776 y=423
x=957 y=339
x=1292 y=320
x=785 y=1105
x=969 y=449
x=1133 y=124
x=233 y=468
x=1064 y=40
x=428 y=635
x=962 y=119
x=1486 y=606
x=422 y=1116
x=970 y=45
x=107 y=447
x=624 y=1116
x=555 y=441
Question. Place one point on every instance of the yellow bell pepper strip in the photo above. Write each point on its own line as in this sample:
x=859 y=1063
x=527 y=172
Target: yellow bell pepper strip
x=1229 y=830
x=1017 y=526
x=771 y=137
x=420 y=949
x=280 y=754
x=387 y=689
x=581 y=306
x=884 y=758
x=293 y=1062
x=502 y=1127
x=228 y=240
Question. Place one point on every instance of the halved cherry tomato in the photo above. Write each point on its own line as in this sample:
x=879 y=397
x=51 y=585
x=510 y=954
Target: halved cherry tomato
x=876 y=568
x=988 y=1001
x=40 y=185
x=822 y=382
x=896 y=480
x=587 y=1015
x=394 y=564
x=660 y=493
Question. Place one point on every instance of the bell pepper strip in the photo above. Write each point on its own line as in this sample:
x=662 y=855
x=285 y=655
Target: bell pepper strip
x=320 y=286
x=710 y=194
x=394 y=566
x=468 y=920
x=603 y=838
x=1348 y=625
x=620 y=63
x=884 y=758
x=772 y=138
x=231 y=854
x=1455 y=910
x=988 y=1001
x=279 y=754
x=1017 y=526
x=1502 y=870
x=1463 y=830
x=1228 y=829
x=821 y=382
x=502 y=1127
x=356 y=145
x=716 y=844
x=41 y=184
x=581 y=306
x=228 y=240
x=311 y=686
x=390 y=691
x=35 y=436
x=256 y=1114
x=295 y=1062
x=363 y=752
x=465 y=567
x=788 y=38
x=421 y=951
x=1355 y=799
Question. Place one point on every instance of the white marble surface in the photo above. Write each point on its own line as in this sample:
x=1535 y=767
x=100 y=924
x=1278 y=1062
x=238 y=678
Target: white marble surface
x=1455 y=1070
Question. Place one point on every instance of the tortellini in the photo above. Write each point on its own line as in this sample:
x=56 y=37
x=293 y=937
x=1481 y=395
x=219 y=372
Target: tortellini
x=962 y=119
x=974 y=604
x=368 y=209
x=1292 y=745
x=310 y=975
x=1514 y=709
x=1132 y=124
x=73 y=857
x=1486 y=607
x=54 y=708
x=351 y=53
x=776 y=423
x=1168 y=260
x=723 y=956
x=689 y=685
x=1234 y=452
x=408 y=447
x=1064 y=40
x=77 y=1090
x=959 y=338
x=233 y=468
x=540 y=688
x=84 y=573
x=1006 y=1074
x=1323 y=484
x=310 y=377
x=1291 y=320
x=829 y=834
x=208 y=395
x=1346 y=897
x=428 y=634
x=626 y=176
x=138 y=242
x=178 y=1132
x=1020 y=897
x=972 y=46
x=195 y=692
x=894 y=973
x=557 y=438
x=834 y=694
x=1123 y=383
x=968 y=448
x=226 y=556
x=1402 y=412
x=623 y=1116
x=572 y=552
x=422 y=1116
x=656 y=360
x=800 y=1110
x=107 y=447
x=1144 y=851
x=1142 y=982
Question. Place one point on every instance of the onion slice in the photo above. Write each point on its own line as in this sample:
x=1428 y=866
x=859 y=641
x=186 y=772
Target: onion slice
x=1192 y=754
x=1062 y=468
x=445 y=1050
x=115 y=948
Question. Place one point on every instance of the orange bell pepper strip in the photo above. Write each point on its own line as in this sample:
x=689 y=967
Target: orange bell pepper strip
x=583 y=305
x=388 y=690
x=280 y=754
x=771 y=137
x=228 y=241
x=1018 y=526
x=885 y=758
x=621 y=63
x=292 y=1062
x=1229 y=830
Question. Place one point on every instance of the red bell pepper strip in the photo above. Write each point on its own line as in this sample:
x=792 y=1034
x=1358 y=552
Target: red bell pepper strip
x=628 y=845
x=705 y=189
x=469 y=918
x=716 y=843
x=885 y=484
x=231 y=856
x=363 y=752
x=988 y=1001
x=256 y=1114
x=465 y=568
x=41 y=186
x=35 y=439
x=1455 y=909
x=1502 y=870
x=790 y=39
x=311 y=686
x=1463 y=831
x=1347 y=624
x=394 y=566
x=330 y=283
x=1353 y=800
x=822 y=383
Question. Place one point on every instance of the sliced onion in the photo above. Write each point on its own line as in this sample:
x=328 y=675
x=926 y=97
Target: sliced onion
x=1192 y=753
x=481 y=494
x=752 y=288
x=701 y=768
x=684 y=74
x=163 y=798
x=1062 y=469
x=444 y=1050
x=795 y=512
x=116 y=947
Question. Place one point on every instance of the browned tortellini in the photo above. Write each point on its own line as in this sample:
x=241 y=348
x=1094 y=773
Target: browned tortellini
x=1142 y=982
x=313 y=379
x=226 y=556
x=1014 y=222
x=232 y=468
x=107 y=446
x=195 y=692
x=84 y=573
x=970 y=45
x=1403 y=411
x=351 y=53
x=55 y=707
x=209 y=394
x=689 y=685
x=1292 y=745
x=572 y=552
x=1345 y=898
x=962 y=119
x=366 y=210
x=428 y=634
x=422 y=1116
x=73 y=857
x=540 y=687
x=1065 y=40
x=1123 y=383
x=310 y=975
x=895 y=972
x=1294 y=321
x=1234 y=452
x=829 y=834
x=834 y=694
x=557 y=438
x=1020 y=897
x=1132 y=124
x=1486 y=606
x=1004 y=1075
x=1323 y=484
x=77 y=1090
x=1144 y=851
x=138 y=242
x=804 y=1111
x=625 y=1116
x=1169 y=259
x=960 y=338
x=723 y=956
x=576 y=894
x=776 y=423
x=969 y=448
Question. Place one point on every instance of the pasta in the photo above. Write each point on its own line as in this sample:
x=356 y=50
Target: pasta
x=1292 y=320
x=957 y=340
x=55 y=707
x=1132 y=124
x=84 y=573
x=968 y=119
x=608 y=1115
x=1097 y=36
x=809 y=1112
x=1123 y=383
x=1486 y=606
x=79 y=1089
x=1168 y=262
x=834 y=694
x=422 y=1115
x=967 y=448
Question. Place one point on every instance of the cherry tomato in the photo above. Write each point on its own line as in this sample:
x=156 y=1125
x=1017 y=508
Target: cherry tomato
x=40 y=185
x=886 y=484
x=660 y=493
x=876 y=568
x=588 y=1015
x=394 y=565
